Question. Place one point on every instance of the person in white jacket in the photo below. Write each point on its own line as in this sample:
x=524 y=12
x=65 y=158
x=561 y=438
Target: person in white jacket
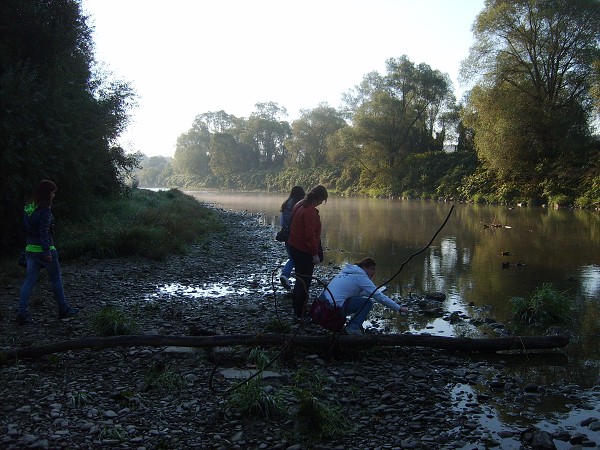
x=352 y=288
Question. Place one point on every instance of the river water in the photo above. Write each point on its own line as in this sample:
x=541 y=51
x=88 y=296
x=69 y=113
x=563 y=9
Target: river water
x=482 y=257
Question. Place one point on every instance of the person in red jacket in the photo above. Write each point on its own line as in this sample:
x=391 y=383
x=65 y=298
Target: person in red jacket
x=305 y=246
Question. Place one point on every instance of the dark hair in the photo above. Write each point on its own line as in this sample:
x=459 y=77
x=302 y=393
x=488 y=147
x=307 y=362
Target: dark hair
x=366 y=262
x=297 y=194
x=318 y=193
x=42 y=194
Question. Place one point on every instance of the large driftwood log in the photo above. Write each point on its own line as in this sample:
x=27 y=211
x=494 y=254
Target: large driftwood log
x=321 y=342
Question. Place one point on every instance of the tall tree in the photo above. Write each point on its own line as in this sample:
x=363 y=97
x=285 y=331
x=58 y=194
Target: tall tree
x=191 y=158
x=308 y=145
x=399 y=113
x=533 y=64
x=59 y=118
x=266 y=131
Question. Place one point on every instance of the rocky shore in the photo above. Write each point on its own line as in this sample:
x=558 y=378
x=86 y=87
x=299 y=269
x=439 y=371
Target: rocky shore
x=388 y=398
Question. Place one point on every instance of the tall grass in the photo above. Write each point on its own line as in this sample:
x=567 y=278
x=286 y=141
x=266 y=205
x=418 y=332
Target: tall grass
x=145 y=223
x=112 y=321
x=546 y=306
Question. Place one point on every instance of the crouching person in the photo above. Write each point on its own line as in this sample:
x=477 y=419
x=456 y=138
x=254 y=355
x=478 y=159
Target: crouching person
x=351 y=288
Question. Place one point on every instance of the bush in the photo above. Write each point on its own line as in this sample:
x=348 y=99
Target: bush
x=250 y=399
x=326 y=421
x=148 y=224
x=111 y=321
x=546 y=306
x=162 y=378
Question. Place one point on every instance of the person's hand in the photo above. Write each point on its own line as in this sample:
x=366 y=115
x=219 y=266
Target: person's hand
x=316 y=261
x=403 y=310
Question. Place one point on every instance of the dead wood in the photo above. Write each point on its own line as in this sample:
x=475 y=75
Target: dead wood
x=322 y=342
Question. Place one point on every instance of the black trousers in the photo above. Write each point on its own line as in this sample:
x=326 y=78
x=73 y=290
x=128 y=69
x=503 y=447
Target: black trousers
x=304 y=267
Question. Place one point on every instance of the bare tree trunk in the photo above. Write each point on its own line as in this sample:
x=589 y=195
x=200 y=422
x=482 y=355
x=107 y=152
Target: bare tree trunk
x=320 y=342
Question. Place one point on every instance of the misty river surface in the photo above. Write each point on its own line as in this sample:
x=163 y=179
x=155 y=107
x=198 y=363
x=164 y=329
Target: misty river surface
x=481 y=258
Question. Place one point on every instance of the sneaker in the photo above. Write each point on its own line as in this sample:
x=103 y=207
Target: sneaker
x=69 y=312
x=24 y=320
x=285 y=282
x=354 y=331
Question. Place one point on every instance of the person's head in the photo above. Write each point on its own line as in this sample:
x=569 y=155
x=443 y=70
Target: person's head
x=316 y=196
x=43 y=193
x=368 y=265
x=297 y=193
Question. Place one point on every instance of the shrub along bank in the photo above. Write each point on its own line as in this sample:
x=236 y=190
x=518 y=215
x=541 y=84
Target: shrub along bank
x=142 y=223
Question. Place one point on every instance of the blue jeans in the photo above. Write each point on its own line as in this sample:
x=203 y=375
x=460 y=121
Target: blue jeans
x=35 y=263
x=361 y=307
x=289 y=265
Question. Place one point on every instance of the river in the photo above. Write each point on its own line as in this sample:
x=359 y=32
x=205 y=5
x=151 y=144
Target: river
x=484 y=255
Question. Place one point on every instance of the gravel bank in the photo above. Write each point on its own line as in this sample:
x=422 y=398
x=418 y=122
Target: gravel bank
x=392 y=398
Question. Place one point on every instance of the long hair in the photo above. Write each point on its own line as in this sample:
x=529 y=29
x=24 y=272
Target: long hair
x=318 y=193
x=42 y=194
x=296 y=194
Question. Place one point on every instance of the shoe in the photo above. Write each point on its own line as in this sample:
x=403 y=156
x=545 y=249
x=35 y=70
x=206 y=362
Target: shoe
x=24 y=320
x=354 y=331
x=69 y=312
x=285 y=282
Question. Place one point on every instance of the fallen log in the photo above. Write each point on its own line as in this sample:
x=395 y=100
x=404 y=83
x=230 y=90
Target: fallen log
x=486 y=345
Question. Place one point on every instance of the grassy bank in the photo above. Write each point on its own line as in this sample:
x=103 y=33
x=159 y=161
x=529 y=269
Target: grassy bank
x=144 y=223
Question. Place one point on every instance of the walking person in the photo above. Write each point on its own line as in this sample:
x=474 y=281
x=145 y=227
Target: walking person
x=285 y=218
x=351 y=289
x=305 y=246
x=38 y=222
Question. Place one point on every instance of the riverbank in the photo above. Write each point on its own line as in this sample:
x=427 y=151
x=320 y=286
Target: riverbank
x=391 y=398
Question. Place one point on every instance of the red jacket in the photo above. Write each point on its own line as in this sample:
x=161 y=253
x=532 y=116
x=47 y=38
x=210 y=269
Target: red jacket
x=305 y=231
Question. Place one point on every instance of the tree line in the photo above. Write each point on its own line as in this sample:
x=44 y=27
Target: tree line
x=525 y=132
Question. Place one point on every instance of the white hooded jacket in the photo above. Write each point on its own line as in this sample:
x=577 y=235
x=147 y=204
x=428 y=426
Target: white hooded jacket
x=353 y=281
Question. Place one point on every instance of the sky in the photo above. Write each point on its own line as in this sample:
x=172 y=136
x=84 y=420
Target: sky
x=188 y=57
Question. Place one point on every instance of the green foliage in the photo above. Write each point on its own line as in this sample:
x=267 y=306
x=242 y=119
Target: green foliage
x=113 y=321
x=153 y=171
x=146 y=223
x=530 y=109
x=308 y=145
x=113 y=433
x=250 y=399
x=277 y=326
x=60 y=118
x=259 y=358
x=324 y=420
x=162 y=378
x=546 y=306
x=79 y=399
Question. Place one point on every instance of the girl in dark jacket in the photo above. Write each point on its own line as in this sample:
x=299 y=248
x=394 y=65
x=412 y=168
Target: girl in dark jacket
x=285 y=219
x=38 y=222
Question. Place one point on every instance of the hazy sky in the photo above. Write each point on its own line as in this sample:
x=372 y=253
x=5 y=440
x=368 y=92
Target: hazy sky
x=188 y=57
